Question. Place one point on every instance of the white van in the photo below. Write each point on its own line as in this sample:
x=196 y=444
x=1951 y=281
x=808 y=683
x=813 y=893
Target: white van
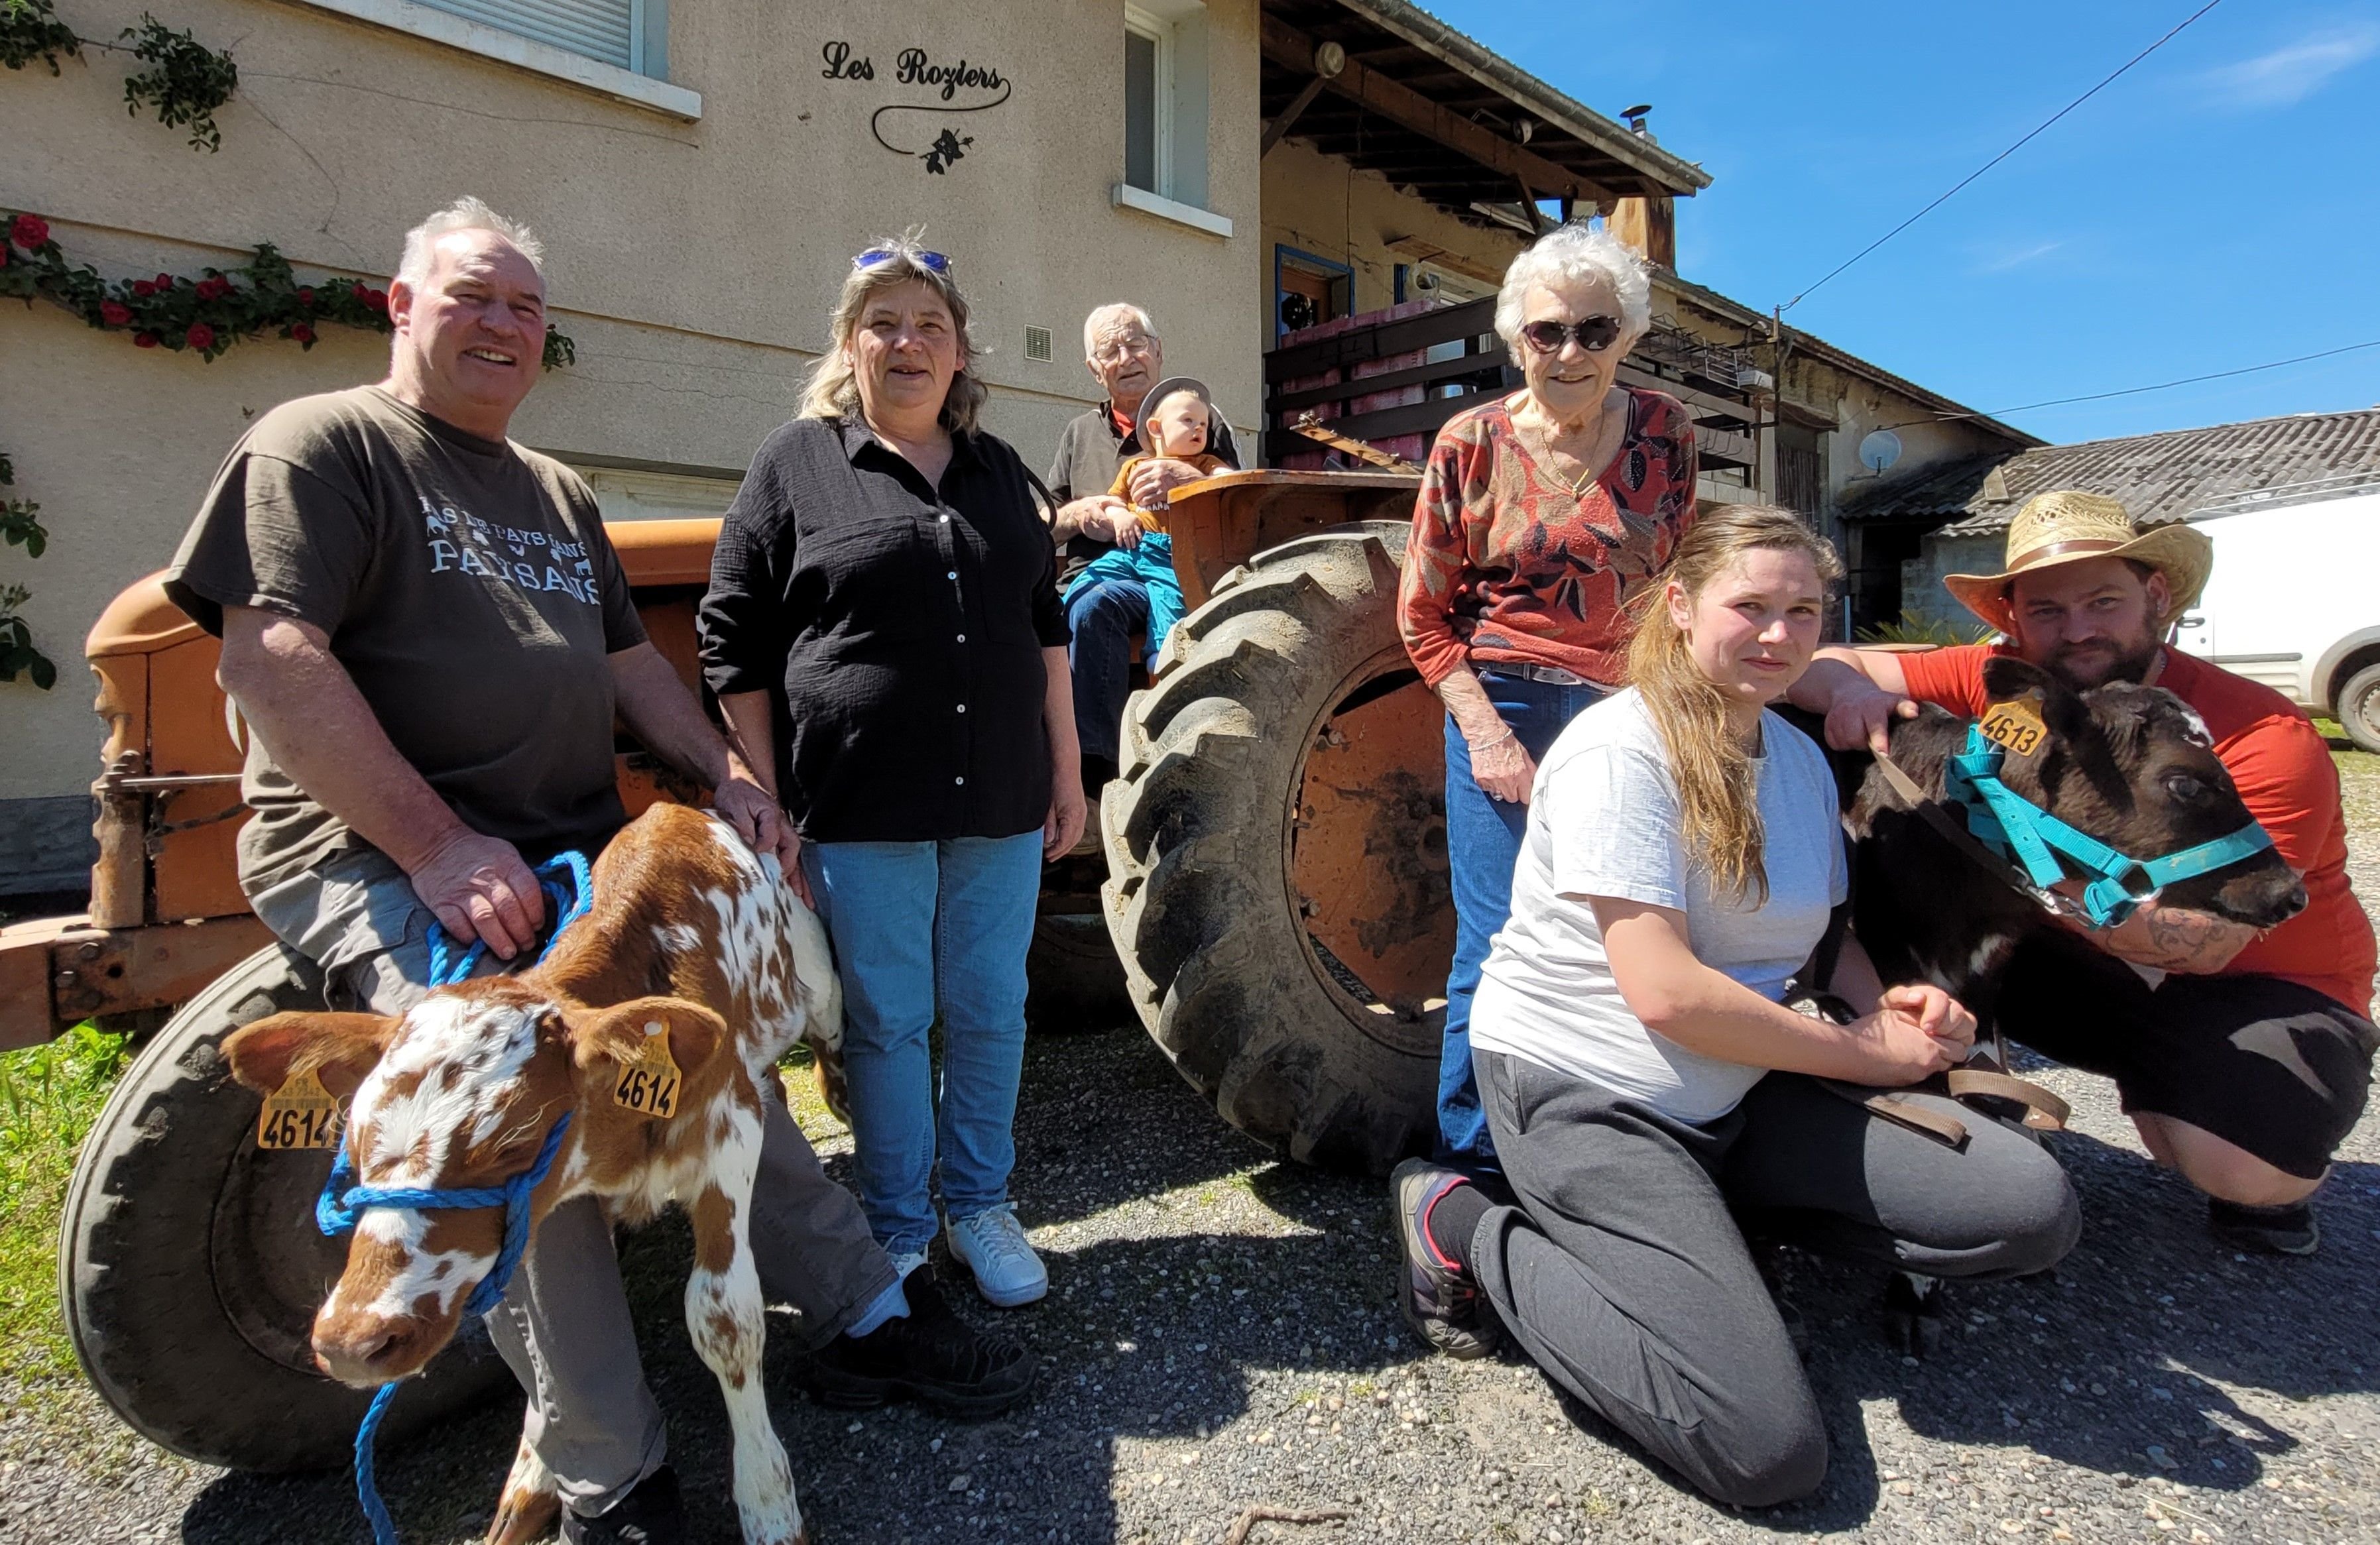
x=2295 y=599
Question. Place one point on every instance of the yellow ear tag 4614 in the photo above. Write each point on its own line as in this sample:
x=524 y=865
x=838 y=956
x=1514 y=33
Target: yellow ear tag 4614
x=2015 y=725
x=648 y=1081
x=301 y=1114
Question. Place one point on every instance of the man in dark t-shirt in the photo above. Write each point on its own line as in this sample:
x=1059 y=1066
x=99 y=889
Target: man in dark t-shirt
x=1121 y=346
x=429 y=635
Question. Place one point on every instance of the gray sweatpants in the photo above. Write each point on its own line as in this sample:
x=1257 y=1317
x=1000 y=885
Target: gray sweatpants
x=1625 y=1276
x=563 y=1325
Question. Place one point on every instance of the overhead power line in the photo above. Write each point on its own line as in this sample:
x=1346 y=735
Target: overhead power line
x=2002 y=156
x=2161 y=386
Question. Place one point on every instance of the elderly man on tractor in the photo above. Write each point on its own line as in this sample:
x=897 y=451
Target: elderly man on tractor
x=2244 y=1058
x=429 y=635
x=1123 y=352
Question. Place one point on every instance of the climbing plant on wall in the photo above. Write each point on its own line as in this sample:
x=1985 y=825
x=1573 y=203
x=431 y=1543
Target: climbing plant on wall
x=185 y=82
x=204 y=315
x=21 y=525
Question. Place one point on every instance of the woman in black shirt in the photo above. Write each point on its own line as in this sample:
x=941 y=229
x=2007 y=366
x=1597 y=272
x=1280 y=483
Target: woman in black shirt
x=883 y=613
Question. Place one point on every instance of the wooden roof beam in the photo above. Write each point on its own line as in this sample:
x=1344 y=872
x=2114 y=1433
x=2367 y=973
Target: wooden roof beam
x=1286 y=46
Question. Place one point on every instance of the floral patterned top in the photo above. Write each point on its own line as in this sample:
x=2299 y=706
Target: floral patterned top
x=1505 y=564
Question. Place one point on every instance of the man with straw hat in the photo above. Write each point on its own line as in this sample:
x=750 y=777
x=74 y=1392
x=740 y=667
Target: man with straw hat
x=2243 y=1058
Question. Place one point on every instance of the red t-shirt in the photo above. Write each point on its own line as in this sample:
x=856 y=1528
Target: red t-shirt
x=2285 y=775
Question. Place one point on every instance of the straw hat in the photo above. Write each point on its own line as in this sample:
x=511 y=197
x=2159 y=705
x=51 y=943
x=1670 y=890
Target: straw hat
x=2066 y=526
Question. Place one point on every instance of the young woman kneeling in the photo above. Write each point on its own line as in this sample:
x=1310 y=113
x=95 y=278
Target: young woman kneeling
x=1644 y=1084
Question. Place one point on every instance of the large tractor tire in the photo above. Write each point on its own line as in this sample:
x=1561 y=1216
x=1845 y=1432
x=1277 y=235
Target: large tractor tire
x=190 y=1267
x=1277 y=855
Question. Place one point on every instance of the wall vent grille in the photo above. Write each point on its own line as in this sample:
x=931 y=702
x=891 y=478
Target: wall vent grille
x=1037 y=345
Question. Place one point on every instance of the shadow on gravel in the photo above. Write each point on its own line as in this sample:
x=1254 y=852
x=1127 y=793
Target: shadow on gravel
x=2117 y=1361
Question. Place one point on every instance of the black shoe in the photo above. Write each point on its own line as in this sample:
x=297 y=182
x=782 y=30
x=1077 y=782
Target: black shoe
x=1443 y=1306
x=929 y=1356
x=649 y=1514
x=2265 y=1230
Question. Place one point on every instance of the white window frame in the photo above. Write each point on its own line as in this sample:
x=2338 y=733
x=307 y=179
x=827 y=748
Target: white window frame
x=1160 y=33
x=526 y=53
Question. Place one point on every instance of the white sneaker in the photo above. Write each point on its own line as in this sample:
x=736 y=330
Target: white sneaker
x=907 y=1261
x=993 y=1244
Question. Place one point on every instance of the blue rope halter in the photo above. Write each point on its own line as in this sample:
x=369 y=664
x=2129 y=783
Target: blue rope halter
x=2031 y=838
x=568 y=902
x=342 y=1205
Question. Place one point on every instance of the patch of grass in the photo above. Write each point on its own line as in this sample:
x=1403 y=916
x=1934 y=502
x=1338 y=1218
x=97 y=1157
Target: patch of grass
x=49 y=1096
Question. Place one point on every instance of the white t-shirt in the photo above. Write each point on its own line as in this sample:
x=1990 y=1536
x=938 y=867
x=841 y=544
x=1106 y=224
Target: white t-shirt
x=1604 y=821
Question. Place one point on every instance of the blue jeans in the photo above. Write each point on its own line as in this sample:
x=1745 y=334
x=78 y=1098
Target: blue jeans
x=1120 y=590
x=1482 y=842
x=921 y=931
x=1103 y=614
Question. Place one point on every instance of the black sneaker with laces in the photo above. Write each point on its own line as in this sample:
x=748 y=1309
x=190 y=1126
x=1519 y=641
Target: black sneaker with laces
x=929 y=1356
x=649 y=1514
x=1441 y=1304
x=2265 y=1230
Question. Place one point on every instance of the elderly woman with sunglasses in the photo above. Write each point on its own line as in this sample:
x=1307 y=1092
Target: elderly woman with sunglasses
x=1541 y=516
x=884 y=634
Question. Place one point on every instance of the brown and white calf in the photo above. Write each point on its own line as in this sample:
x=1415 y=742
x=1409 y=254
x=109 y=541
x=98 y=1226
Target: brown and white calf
x=691 y=943
x=2131 y=766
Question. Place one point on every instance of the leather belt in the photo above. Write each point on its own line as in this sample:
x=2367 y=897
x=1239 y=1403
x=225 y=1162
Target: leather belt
x=1552 y=675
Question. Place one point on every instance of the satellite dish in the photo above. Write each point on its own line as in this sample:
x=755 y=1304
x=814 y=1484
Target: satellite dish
x=1879 y=450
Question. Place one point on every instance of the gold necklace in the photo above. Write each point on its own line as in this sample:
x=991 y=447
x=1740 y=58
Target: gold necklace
x=1578 y=486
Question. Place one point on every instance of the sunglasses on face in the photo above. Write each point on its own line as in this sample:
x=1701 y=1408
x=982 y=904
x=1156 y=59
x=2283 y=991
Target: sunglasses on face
x=876 y=257
x=1595 y=335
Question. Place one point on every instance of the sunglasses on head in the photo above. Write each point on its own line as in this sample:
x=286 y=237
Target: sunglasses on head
x=1595 y=335
x=876 y=257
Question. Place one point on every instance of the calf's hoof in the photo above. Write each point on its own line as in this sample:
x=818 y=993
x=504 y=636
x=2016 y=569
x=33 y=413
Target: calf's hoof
x=1913 y=1313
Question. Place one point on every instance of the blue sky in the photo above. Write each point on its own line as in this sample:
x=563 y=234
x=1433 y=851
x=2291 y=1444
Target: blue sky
x=2219 y=206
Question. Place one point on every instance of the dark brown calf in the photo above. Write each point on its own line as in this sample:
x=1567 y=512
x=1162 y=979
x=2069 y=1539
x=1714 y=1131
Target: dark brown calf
x=2130 y=766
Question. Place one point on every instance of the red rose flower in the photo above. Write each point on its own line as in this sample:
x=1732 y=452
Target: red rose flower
x=213 y=288
x=164 y=281
x=306 y=295
x=29 y=231
x=377 y=300
x=302 y=333
x=201 y=337
x=363 y=291
x=143 y=288
x=115 y=313
x=144 y=340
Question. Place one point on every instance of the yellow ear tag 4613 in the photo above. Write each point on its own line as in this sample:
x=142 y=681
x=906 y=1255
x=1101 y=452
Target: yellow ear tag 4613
x=301 y=1114
x=2015 y=725
x=648 y=1081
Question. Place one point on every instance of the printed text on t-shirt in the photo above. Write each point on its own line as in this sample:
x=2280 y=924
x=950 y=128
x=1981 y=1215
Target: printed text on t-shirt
x=461 y=542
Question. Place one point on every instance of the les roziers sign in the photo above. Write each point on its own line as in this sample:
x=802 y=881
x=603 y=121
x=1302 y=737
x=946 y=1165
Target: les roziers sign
x=949 y=82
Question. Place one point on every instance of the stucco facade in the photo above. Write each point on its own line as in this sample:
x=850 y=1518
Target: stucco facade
x=692 y=258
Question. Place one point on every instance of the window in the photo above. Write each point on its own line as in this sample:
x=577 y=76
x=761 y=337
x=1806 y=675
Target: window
x=1165 y=100
x=1144 y=104
x=1309 y=290
x=627 y=33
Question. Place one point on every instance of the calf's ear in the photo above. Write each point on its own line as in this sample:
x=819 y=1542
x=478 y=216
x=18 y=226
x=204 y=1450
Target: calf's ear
x=606 y=1038
x=341 y=1048
x=2007 y=677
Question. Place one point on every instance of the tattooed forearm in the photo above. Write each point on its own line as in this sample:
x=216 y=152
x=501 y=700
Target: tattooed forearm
x=2175 y=938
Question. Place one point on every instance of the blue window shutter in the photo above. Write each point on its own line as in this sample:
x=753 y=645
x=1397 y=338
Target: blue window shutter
x=611 y=31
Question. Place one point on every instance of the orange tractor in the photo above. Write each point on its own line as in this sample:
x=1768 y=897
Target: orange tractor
x=1273 y=901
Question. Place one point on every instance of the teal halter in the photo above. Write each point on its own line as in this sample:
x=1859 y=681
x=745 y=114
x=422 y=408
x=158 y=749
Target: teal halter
x=2032 y=838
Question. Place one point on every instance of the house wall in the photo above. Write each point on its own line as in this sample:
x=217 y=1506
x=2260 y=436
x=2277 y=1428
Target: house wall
x=1323 y=206
x=693 y=263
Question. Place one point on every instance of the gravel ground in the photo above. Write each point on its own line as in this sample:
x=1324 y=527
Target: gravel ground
x=1221 y=1336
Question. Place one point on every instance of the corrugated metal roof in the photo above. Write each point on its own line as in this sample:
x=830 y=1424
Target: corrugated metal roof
x=2158 y=477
